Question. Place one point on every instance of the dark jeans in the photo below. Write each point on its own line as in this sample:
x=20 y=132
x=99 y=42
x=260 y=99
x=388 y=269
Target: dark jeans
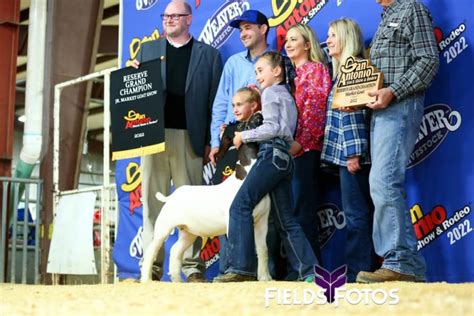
x=359 y=211
x=305 y=187
x=272 y=174
x=274 y=257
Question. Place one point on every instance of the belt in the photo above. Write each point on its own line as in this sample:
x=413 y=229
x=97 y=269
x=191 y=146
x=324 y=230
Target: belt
x=277 y=141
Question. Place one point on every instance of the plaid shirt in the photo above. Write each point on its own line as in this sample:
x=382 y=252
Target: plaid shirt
x=345 y=135
x=404 y=48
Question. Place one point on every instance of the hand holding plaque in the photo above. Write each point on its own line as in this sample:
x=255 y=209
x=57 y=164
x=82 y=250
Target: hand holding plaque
x=357 y=77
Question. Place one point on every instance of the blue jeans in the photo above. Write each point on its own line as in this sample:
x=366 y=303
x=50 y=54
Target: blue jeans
x=273 y=244
x=358 y=209
x=224 y=255
x=393 y=134
x=272 y=174
x=276 y=261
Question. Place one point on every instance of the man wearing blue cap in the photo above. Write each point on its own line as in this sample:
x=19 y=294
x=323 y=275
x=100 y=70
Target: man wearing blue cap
x=238 y=70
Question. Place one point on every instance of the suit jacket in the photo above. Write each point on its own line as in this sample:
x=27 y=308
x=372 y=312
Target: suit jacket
x=204 y=72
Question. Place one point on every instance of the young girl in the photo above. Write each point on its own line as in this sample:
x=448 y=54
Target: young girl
x=271 y=174
x=245 y=104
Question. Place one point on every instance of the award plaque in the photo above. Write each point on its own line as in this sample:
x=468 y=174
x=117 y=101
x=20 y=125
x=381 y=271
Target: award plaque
x=357 y=77
x=137 y=111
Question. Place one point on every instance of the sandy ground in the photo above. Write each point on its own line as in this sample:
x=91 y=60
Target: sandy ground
x=248 y=298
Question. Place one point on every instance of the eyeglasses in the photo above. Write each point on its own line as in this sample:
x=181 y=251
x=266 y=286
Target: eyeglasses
x=173 y=17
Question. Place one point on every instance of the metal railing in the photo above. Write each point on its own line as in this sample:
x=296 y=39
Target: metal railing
x=108 y=204
x=19 y=237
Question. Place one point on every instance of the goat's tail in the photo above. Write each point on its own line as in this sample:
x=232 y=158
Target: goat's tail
x=161 y=197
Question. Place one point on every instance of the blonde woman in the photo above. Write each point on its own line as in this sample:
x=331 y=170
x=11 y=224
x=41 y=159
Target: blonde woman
x=346 y=144
x=312 y=86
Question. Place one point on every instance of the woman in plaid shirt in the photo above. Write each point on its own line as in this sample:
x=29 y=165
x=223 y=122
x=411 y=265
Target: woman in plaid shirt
x=346 y=144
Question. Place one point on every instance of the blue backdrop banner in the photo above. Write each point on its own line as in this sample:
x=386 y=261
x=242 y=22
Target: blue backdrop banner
x=440 y=179
x=128 y=246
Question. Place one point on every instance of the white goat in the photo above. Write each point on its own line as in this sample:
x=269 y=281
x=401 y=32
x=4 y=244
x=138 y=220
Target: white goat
x=204 y=211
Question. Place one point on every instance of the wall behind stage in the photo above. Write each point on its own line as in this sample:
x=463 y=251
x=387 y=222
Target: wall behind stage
x=440 y=179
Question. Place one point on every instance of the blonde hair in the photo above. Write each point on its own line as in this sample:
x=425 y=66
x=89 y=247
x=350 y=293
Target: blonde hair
x=316 y=53
x=252 y=96
x=351 y=41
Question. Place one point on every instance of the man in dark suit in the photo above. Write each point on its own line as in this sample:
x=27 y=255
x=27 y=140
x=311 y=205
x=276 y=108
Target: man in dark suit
x=190 y=71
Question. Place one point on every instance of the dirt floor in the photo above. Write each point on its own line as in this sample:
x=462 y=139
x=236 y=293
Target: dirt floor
x=127 y=298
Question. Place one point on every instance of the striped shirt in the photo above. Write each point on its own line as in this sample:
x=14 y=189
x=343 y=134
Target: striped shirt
x=404 y=48
x=279 y=116
x=238 y=72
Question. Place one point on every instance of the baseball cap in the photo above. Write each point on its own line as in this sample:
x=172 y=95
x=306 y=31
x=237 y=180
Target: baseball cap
x=250 y=16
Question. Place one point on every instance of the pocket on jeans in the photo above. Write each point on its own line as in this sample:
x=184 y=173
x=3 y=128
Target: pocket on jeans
x=280 y=159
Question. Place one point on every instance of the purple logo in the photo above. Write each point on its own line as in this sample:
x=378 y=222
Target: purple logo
x=330 y=281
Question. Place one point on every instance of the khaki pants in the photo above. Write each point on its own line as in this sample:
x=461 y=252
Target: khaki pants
x=179 y=164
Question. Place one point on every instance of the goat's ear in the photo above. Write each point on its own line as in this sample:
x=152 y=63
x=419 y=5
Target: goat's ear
x=240 y=127
x=256 y=120
x=226 y=142
x=240 y=172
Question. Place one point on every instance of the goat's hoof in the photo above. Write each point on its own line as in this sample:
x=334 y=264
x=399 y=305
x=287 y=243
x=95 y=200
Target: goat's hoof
x=265 y=278
x=144 y=280
x=175 y=279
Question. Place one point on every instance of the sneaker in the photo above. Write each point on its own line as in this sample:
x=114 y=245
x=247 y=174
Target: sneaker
x=234 y=277
x=196 y=277
x=383 y=275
